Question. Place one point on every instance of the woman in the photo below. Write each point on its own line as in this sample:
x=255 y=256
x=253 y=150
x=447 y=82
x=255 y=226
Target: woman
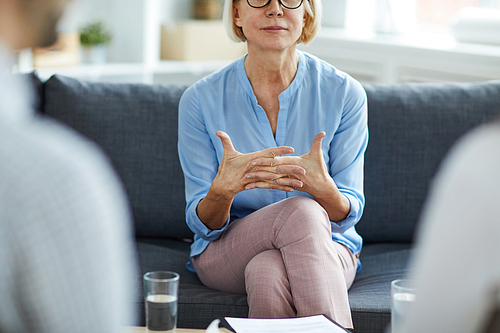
x=272 y=152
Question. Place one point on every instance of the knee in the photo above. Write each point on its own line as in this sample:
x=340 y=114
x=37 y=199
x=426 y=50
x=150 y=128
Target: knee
x=305 y=204
x=306 y=213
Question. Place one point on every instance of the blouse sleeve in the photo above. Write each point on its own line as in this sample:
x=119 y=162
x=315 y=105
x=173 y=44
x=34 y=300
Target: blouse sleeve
x=347 y=150
x=198 y=159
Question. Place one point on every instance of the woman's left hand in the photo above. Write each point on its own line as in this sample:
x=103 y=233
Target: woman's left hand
x=316 y=176
x=316 y=181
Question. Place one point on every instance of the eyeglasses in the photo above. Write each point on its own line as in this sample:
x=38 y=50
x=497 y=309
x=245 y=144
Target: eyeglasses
x=289 y=4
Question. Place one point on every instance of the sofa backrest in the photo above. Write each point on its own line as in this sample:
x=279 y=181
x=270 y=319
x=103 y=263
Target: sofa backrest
x=412 y=126
x=136 y=125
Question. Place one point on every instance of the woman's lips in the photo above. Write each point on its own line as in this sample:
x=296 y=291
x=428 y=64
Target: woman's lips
x=274 y=28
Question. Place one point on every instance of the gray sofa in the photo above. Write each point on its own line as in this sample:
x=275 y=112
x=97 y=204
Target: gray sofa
x=411 y=128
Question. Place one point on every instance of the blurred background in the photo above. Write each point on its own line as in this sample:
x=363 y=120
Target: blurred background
x=180 y=41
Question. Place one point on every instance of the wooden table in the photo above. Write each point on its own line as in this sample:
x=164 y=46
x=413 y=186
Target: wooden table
x=179 y=330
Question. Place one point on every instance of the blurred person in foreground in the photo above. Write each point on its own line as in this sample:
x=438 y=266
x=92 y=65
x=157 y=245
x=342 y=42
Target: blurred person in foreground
x=272 y=148
x=457 y=262
x=67 y=262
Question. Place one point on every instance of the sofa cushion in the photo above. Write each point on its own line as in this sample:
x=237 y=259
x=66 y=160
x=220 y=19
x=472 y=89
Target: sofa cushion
x=136 y=125
x=412 y=126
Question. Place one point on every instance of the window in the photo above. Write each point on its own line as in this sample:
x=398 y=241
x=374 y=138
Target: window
x=436 y=14
x=406 y=15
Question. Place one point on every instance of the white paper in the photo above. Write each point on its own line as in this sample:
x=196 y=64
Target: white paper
x=314 y=324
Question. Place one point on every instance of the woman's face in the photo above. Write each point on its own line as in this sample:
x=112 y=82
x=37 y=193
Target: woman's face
x=272 y=27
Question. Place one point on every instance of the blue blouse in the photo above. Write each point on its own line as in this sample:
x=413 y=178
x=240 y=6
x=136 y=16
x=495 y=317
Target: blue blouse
x=320 y=98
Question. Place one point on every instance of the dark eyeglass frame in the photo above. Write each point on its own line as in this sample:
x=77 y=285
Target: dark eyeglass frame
x=281 y=3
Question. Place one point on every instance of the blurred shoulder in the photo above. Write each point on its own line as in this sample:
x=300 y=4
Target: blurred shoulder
x=478 y=149
x=45 y=153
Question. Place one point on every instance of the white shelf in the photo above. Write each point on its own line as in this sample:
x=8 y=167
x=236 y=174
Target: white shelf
x=420 y=41
x=407 y=57
x=145 y=71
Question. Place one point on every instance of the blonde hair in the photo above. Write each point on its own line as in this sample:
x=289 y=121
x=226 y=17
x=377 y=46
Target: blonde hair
x=311 y=27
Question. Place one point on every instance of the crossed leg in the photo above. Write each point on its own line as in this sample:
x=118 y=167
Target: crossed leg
x=283 y=256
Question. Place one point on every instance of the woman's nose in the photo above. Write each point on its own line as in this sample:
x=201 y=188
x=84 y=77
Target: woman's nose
x=274 y=8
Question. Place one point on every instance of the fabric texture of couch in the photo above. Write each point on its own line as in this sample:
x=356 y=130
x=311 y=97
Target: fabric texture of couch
x=411 y=128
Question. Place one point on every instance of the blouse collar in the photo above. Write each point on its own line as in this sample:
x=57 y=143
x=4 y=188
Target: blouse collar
x=288 y=92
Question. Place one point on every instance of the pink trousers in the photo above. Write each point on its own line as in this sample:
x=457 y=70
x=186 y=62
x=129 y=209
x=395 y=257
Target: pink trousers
x=284 y=258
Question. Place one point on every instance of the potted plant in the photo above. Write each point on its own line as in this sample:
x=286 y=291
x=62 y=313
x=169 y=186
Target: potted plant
x=94 y=38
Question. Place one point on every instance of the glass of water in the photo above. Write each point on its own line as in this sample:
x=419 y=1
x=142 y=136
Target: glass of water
x=403 y=294
x=160 y=298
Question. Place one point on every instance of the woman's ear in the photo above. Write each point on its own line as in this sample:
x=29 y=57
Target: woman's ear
x=236 y=14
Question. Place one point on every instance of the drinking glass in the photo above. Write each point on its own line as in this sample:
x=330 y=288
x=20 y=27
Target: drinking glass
x=160 y=298
x=402 y=295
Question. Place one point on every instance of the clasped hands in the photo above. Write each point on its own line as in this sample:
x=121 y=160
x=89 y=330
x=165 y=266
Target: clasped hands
x=269 y=169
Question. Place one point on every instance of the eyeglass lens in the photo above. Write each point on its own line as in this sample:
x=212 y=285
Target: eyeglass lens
x=290 y=4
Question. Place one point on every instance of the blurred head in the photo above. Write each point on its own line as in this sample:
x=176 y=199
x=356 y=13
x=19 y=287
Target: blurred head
x=311 y=26
x=30 y=23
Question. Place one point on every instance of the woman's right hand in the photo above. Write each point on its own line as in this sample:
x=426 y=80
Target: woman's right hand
x=237 y=172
